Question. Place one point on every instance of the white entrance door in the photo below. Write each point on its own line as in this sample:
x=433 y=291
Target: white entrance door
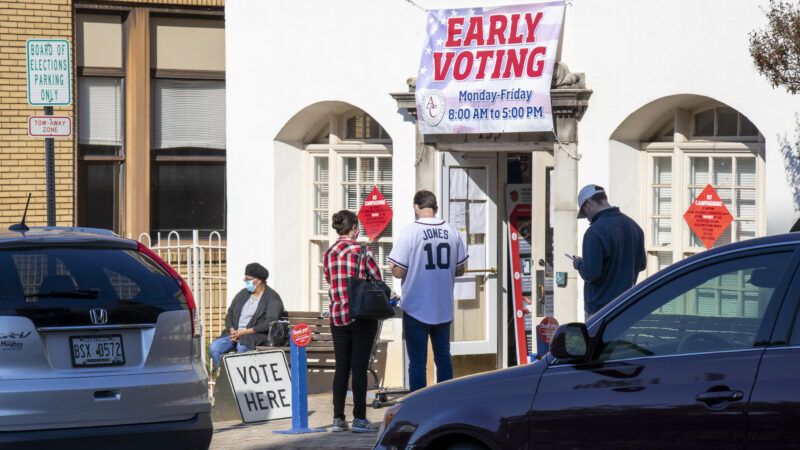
x=469 y=191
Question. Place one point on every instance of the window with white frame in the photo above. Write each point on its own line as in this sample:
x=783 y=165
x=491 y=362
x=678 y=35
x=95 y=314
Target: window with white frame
x=724 y=150
x=342 y=173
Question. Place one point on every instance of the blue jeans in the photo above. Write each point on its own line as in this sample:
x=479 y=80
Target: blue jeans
x=416 y=334
x=222 y=345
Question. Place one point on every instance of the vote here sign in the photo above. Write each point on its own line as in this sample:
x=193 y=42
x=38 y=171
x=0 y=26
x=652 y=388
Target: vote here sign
x=261 y=383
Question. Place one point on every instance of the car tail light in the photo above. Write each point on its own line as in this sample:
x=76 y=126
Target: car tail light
x=187 y=292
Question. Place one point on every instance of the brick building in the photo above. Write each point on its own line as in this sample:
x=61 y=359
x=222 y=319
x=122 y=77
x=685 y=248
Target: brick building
x=148 y=147
x=22 y=157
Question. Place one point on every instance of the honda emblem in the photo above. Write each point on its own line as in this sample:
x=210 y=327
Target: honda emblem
x=99 y=316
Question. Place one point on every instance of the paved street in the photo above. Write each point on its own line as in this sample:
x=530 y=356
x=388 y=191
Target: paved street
x=239 y=436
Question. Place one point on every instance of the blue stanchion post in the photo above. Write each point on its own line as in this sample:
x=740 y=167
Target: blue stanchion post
x=297 y=358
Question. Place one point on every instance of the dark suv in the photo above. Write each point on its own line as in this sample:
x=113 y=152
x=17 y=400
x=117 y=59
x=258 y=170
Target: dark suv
x=704 y=354
x=99 y=346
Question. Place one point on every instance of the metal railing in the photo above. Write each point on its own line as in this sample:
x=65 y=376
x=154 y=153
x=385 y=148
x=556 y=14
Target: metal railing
x=203 y=264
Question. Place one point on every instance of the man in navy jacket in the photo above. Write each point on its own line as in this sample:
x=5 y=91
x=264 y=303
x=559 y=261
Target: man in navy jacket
x=613 y=250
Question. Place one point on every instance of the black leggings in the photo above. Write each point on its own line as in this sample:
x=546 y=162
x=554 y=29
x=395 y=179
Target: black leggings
x=352 y=346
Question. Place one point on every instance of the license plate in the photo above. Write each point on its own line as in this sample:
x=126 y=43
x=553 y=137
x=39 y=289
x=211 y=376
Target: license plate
x=97 y=351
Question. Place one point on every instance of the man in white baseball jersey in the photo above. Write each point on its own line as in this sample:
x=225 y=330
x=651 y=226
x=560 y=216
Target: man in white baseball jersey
x=428 y=256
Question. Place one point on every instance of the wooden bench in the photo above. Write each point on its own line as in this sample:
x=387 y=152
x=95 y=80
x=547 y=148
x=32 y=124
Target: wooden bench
x=320 y=357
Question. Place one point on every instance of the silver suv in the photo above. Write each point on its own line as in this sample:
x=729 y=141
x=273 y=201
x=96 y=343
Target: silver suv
x=99 y=346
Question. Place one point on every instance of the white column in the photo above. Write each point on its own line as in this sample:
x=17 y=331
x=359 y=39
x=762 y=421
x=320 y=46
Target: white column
x=563 y=197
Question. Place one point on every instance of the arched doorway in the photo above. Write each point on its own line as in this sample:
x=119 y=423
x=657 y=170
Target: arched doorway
x=330 y=156
x=669 y=151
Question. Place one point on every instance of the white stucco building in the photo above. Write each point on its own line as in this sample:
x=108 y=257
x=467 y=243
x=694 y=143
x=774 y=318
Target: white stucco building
x=668 y=100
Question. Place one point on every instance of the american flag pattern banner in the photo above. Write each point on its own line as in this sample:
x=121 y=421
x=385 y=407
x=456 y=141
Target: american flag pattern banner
x=488 y=70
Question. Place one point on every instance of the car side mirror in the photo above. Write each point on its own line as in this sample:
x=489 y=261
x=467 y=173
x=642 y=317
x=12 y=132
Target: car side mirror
x=571 y=342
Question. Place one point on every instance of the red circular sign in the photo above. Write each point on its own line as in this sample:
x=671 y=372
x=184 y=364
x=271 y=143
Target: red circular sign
x=301 y=335
x=546 y=328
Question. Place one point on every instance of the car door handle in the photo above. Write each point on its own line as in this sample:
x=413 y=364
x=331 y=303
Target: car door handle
x=104 y=396
x=620 y=371
x=715 y=397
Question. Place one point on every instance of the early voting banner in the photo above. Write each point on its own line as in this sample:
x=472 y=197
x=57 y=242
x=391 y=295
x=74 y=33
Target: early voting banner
x=488 y=70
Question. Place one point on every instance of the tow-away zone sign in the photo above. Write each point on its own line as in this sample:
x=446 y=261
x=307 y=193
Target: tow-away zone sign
x=49 y=126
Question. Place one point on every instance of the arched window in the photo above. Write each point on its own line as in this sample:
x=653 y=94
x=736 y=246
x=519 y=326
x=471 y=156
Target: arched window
x=722 y=122
x=361 y=126
x=712 y=144
x=349 y=156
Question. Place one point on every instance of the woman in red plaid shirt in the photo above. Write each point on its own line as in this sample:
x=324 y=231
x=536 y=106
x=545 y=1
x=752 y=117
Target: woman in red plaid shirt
x=352 y=339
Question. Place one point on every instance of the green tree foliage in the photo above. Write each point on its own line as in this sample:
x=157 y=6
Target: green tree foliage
x=776 y=48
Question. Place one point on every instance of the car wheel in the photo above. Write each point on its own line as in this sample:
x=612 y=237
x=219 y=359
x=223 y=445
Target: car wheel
x=466 y=446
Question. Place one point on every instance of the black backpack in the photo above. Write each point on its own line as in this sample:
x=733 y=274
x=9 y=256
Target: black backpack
x=278 y=333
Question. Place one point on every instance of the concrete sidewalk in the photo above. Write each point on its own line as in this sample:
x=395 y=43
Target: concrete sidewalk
x=240 y=436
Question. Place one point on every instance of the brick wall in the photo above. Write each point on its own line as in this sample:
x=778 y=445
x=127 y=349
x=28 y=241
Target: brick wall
x=216 y=3
x=22 y=157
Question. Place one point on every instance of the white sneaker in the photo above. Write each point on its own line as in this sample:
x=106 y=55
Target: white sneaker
x=362 y=426
x=339 y=425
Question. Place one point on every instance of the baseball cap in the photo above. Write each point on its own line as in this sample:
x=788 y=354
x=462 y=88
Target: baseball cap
x=586 y=193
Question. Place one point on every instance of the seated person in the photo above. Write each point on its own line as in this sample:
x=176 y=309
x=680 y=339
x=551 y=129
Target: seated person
x=252 y=311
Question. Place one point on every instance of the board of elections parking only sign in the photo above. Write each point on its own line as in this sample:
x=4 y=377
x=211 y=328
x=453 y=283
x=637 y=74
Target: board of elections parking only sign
x=708 y=217
x=261 y=383
x=49 y=69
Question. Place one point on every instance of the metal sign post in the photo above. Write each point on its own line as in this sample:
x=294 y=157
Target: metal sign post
x=50 y=173
x=49 y=74
x=299 y=382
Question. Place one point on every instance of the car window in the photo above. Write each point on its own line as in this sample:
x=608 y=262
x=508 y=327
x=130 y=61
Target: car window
x=716 y=308
x=125 y=288
x=111 y=276
x=795 y=337
x=32 y=267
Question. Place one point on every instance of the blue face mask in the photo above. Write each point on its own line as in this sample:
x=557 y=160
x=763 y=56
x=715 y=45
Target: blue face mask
x=250 y=286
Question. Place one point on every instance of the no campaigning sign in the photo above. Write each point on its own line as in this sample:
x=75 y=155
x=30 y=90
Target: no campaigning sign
x=375 y=214
x=708 y=217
